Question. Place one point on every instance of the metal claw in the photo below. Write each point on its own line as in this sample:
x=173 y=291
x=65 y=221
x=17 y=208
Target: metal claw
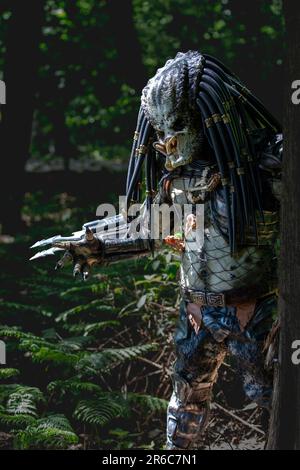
x=45 y=241
x=102 y=225
x=85 y=272
x=66 y=258
x=76 y=236
x=49 y=252
x=77 y=271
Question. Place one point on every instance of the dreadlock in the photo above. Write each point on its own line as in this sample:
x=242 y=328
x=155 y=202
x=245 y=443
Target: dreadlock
x=230 y=115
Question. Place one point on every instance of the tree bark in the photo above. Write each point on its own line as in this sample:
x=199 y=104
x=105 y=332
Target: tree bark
x=285 y=420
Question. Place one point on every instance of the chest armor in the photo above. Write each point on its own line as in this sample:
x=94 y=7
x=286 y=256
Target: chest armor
x=206 y=262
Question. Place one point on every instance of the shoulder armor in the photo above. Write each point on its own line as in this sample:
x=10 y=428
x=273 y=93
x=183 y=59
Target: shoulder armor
x=270 y=158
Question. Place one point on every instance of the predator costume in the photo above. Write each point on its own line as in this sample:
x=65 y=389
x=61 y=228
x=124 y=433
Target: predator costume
x=203 y=138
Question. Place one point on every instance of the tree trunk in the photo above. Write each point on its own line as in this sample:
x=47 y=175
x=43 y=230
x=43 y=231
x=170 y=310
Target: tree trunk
x=20 y=76
x=285 y=420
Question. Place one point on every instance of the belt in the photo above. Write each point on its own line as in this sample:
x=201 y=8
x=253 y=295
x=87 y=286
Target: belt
x=204 y=298
x=221 y=299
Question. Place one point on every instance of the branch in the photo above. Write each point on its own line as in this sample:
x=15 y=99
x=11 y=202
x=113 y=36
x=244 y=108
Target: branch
x=237 y=418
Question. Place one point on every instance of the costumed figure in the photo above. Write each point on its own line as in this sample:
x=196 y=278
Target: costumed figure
x=204 y=140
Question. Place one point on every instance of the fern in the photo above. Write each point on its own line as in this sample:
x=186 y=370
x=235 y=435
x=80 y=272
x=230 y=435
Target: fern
x=70 y=347
x=42 y=350
x=100 y=362
x=73 y=386
x=43 y=284
x=98 y=288
x=75 y=328
x=55 y=356
x=21 y=404
x=150 y=402
x=16 y=333
x=6 y=390
x=94 y=305
x=8 y=373
x=57 y=421
x=93 y=327
x=53 y=432
x=101 y=410
x=14 y=422
x=24 y=401
x=18 y=306
x=85 y=329
x=74 y=343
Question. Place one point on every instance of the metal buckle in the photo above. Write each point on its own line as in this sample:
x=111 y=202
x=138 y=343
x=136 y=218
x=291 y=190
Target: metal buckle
x=202 y=298
x=215 y=299
x=211 y=299
x=198 y=298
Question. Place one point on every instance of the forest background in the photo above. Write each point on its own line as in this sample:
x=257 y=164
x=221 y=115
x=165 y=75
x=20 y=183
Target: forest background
x=88 y=365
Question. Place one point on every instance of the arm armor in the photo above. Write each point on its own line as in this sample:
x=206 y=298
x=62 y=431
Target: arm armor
x=124 y=248
x=118 y=241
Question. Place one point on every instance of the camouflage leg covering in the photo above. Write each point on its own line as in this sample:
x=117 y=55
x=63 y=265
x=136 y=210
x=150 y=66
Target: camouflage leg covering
x=257 y=380
x=199 y=357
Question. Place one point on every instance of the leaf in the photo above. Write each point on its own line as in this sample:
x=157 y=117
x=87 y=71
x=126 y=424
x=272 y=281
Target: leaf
x=13 y=422
x=94 y=327
x=142 y=301
x=8 y=373
x=55 y=356
x=101 y=362
x=101 y=410
x=73 y=386
x=250 y=406
x=53 y=431
x=154 y=404
x=24 y=400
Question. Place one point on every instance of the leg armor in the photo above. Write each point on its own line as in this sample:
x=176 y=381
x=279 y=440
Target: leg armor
x=188 y=412
x=199 y=357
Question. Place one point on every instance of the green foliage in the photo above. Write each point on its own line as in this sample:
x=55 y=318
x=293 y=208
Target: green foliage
x=154 y=404
x=23 y=307
x=95 y=305
x=94 y=327
x=103 y=361
x=24 y=401
x=121 y=439
x=41 y=350
x=73 y=386
x=101 y=410
x=51 y=432
x=22 y=390
x=20 y=405
x=15 y=422
x=94 y=350
x=54 y=356
x=96 y=99
x=216 y=27
x=8 y=373
x=79 y=358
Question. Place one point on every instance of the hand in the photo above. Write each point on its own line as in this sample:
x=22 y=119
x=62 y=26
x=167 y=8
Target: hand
x=84 y=251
